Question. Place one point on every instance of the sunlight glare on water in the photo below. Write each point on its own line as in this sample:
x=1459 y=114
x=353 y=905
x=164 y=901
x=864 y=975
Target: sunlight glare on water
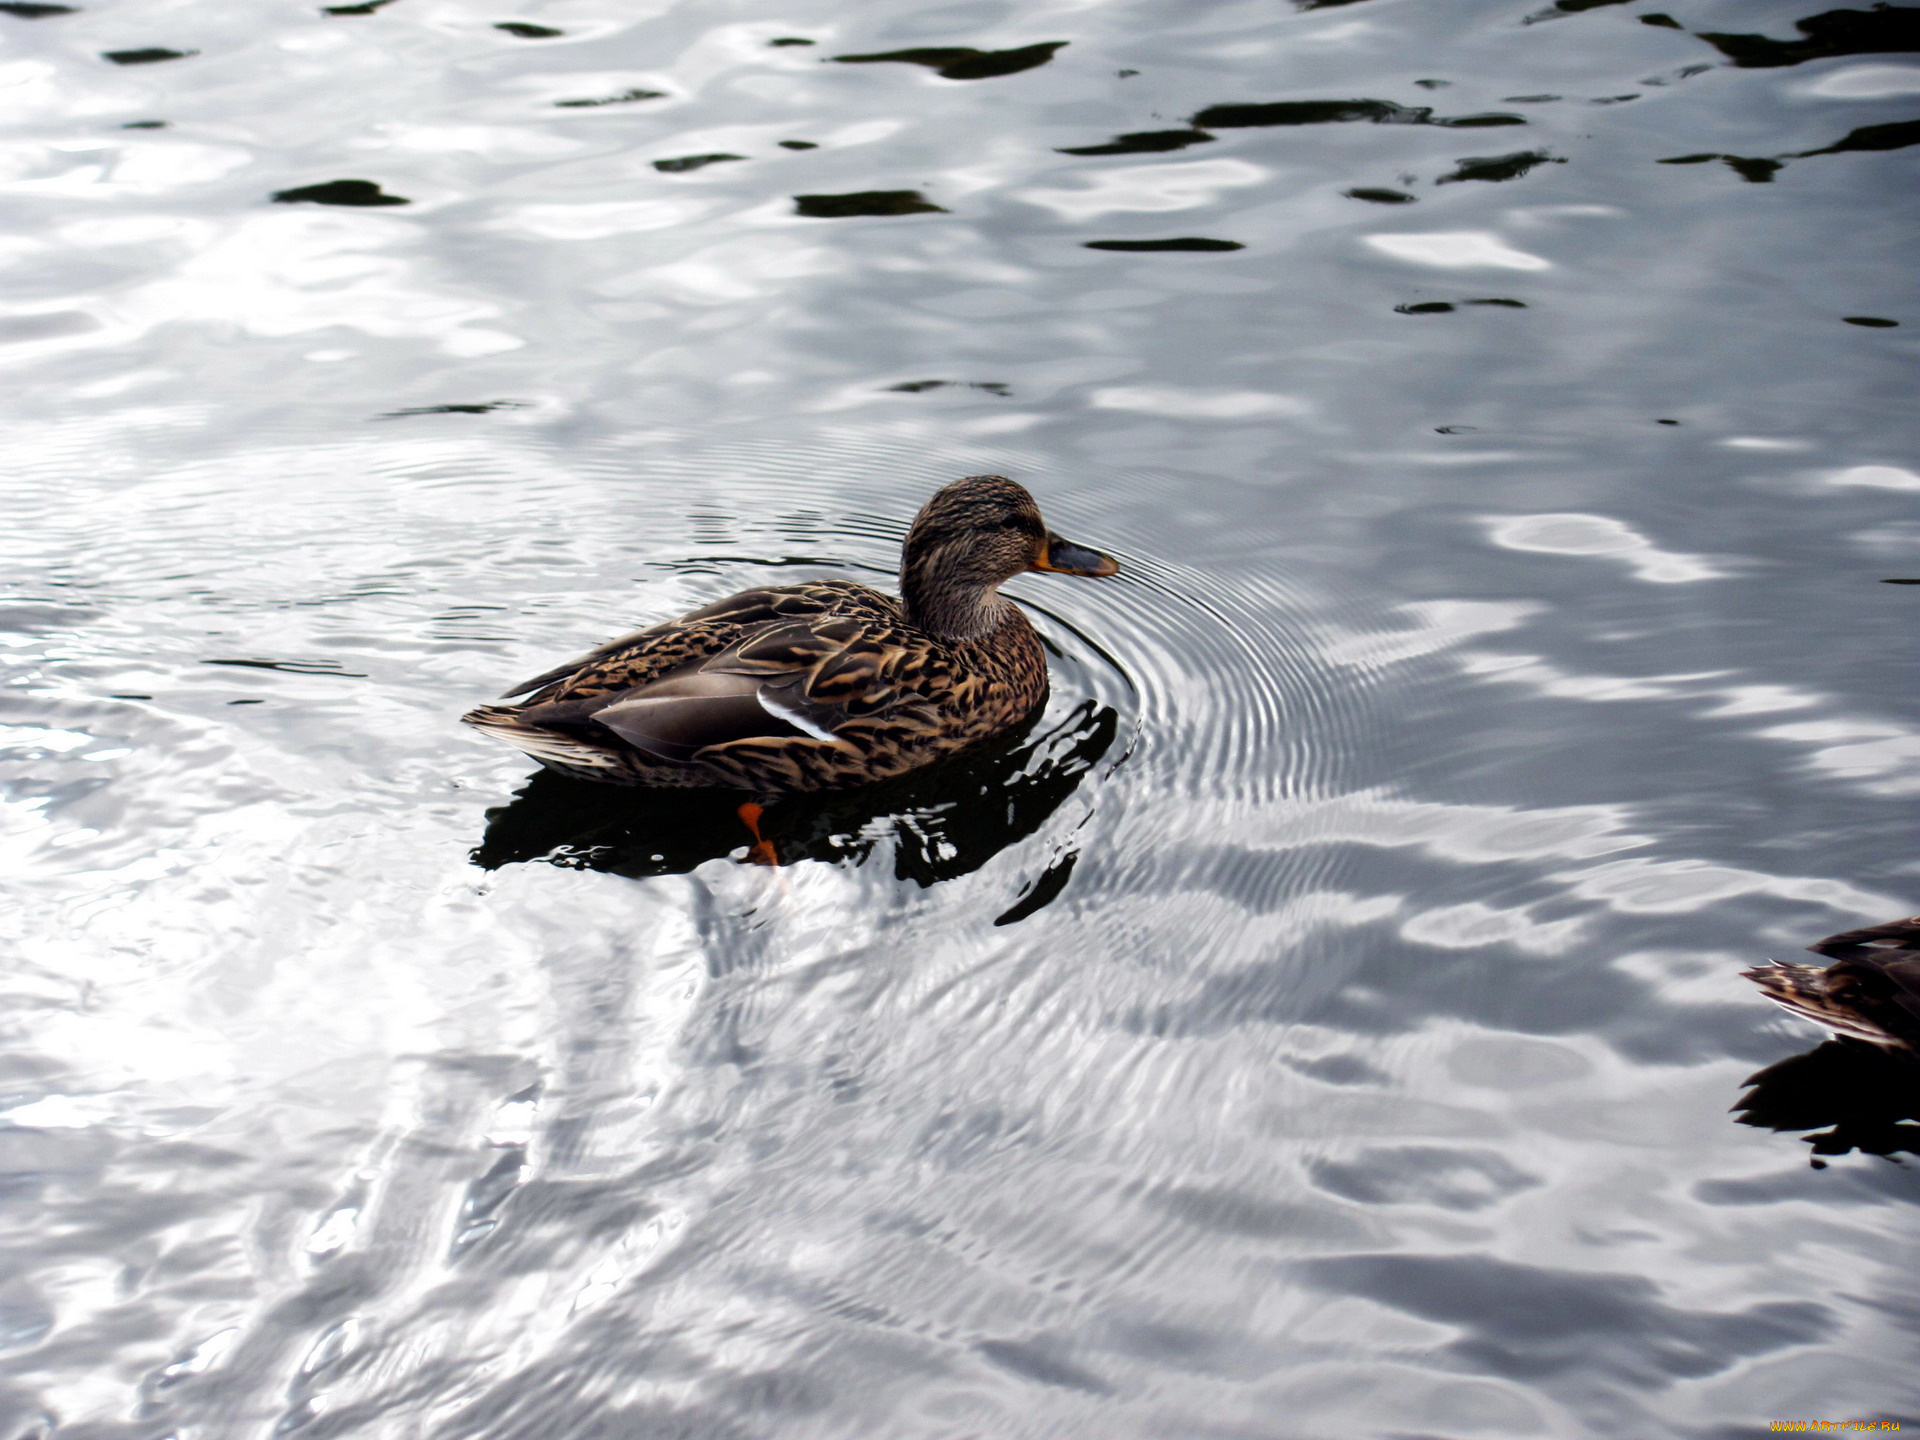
x=1323 y=1020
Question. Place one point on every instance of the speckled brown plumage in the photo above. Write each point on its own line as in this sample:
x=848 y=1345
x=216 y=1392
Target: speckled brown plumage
x=816 y=686
x=1871 y=992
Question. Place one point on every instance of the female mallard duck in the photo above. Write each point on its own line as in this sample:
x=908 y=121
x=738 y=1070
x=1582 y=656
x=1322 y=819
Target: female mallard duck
x=820 y=685
x=1871 y=992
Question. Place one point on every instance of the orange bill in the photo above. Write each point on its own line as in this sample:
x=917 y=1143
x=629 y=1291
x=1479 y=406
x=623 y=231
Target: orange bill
x=1063 y=557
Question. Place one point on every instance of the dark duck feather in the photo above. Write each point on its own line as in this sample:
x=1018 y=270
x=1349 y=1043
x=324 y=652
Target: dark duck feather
x=1871 y=992
x=820 y=685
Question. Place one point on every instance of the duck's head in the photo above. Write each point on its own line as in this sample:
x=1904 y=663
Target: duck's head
x=973 y=535
x=986 y=529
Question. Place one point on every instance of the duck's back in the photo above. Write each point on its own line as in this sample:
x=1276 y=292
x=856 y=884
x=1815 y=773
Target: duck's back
x=876 y=695
x=645 y=655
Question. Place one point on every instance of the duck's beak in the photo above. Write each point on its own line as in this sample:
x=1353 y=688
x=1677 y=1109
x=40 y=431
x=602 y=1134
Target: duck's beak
x=1063 y=557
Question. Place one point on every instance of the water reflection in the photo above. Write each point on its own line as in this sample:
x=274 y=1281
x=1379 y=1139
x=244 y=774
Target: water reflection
x=1896 y=136
x=1499 y=167
x=625 y=97
x=916 y=387
x=1552 y=1322
x=1857 y=1097
x=937 y=824
x=340 y=192
x=1884 y=29
x=477 y=407
x=1562 y=8
x=1469 y=648
x=866 y=202
x=1761 y=170
x=684 y=163
x=1178 y=242
x=1340 y=112
x=959 y=62
x=151 y=55
x=1141 y=142
x=1447 y=307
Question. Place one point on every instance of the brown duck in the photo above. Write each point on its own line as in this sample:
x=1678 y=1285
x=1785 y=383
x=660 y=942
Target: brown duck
x=820 y=685
x=1871 y=992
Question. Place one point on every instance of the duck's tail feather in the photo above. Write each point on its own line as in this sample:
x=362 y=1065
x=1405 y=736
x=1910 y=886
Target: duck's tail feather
x=549 y=746
x=1817 y=995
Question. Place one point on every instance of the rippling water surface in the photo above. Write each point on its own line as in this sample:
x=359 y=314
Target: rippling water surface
x=1323 y=1021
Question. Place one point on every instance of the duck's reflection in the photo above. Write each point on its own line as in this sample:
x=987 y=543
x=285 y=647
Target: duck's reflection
x=1854 y=1096
x=944 y=821
x=1861 y=1090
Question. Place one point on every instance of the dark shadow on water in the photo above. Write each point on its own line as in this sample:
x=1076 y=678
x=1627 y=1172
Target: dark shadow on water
x=1443 y=307
x=1340 y=112
x=25 y=11
x=1499 y=167
x=1756 y=170
x=1179 y=242
x=1533 y=1323
x=963 y=62
x=339 y=192
x=1043 y=892
x=866 y=202
x=1856 y=1096
x=1882 y=30
x=625 y=97
x=477 y=407
x=152 y=55
x=917 y=387
x=1896 y=136
x=1560 y=9
x=683 y=163
x=945 y=821
x=1760 y=170
x=294 y=667
x=1753 y=168
x=1141 y=142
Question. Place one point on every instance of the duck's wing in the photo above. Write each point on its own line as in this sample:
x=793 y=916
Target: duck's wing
x=760 y=606
x=1885 y=962
x=1871 y=992
x=1881 y=941
x=796 y=681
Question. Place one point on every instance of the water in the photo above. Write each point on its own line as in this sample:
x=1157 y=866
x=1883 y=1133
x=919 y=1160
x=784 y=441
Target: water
x=1325 y=1021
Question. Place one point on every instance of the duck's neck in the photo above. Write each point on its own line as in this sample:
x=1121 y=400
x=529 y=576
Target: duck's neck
x=948 y=606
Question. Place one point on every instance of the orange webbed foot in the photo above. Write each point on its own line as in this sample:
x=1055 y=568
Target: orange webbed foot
x=761 y=852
